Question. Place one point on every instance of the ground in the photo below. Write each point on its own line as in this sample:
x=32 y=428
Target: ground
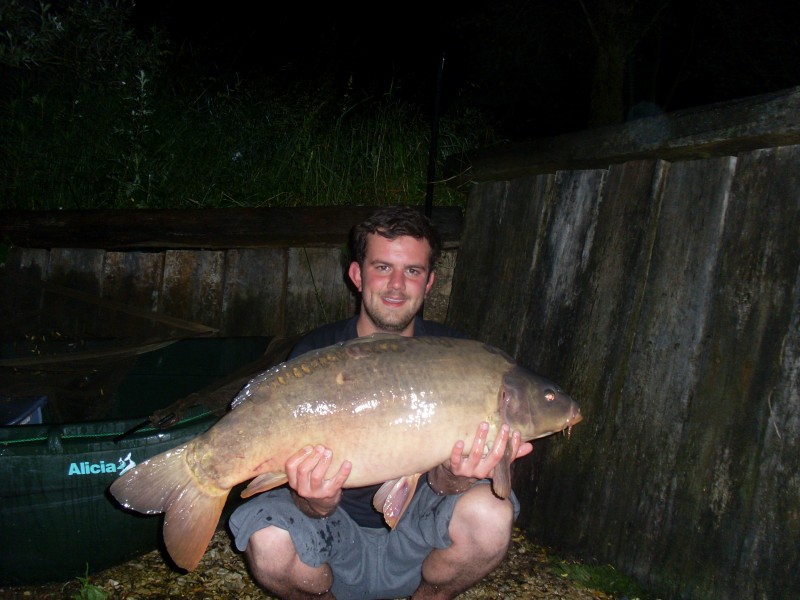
x=528 y=572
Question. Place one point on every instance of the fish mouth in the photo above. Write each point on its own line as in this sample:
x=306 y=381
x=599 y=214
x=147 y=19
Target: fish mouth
x=575 y=417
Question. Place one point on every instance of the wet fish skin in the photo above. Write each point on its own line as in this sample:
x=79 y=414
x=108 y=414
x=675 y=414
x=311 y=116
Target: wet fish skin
x=391 y=405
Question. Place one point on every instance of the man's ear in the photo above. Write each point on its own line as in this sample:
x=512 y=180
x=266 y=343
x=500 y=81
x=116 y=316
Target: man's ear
x=429 y=285
x=355 y=274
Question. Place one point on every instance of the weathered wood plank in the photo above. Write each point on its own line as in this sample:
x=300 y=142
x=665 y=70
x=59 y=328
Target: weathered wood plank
x=32 y=261
x=134 y=276
x=486 y=205
x=593 y=360
x=644 y=401
x=254 y=298
x=497 y=261
x=316 y=289
x=653 y=410
x=104 y=306
x=199 y=228
x=20 y=306
x=517 y=257
x=565 y=244
x=193 y=286
x=80 y=269
x=716 y=130
x=438 y=300
x=740 y=446
x=50 y=313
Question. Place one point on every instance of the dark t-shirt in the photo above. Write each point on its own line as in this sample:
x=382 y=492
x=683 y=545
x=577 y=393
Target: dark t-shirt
x=357 y=502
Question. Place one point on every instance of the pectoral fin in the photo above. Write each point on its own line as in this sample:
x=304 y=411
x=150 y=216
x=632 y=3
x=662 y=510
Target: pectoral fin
x=264 y=483
x=501 y=478
x=394 y=496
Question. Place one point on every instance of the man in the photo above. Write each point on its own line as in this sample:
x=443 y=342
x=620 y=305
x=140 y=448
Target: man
x=319 y=540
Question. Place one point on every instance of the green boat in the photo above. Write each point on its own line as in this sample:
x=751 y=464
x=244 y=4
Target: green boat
x=57 y=520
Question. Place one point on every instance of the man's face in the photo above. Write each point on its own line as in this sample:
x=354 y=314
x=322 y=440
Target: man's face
x=393 y=283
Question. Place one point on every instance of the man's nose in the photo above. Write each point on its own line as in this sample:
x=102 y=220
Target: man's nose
x=397 y=281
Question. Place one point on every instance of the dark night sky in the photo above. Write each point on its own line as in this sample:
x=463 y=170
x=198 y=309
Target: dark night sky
x=527 y=63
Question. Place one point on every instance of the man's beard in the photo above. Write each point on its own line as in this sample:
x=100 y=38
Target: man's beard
x=396 y=325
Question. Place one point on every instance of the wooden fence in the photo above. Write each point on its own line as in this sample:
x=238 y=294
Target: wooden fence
x=241 y=272
x=658 y=281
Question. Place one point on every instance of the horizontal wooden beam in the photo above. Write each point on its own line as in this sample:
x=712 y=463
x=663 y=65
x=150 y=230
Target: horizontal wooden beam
x=198 y=228
x=723 y=129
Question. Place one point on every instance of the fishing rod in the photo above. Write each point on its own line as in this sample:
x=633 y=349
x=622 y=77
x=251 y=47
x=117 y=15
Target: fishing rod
x=434 y=139
x=432 y=150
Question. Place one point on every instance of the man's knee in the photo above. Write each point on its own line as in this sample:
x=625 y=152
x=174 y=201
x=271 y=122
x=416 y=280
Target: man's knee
x=275 y=565
x=482 y=518
x=269 y=551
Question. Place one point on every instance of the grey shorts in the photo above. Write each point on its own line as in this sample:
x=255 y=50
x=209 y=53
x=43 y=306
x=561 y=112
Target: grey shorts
x=366 y=563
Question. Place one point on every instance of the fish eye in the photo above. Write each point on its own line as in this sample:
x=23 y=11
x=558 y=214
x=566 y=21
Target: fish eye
x=549 y=395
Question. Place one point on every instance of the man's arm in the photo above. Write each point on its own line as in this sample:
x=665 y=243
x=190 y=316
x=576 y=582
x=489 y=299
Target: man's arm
x=461 y=471
x=314 y=495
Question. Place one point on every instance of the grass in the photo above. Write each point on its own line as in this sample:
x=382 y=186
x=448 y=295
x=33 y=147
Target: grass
x=95 y=115
x=604 y=578
x=88 y=590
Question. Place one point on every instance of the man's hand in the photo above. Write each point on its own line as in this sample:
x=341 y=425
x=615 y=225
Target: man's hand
x=478 y=466
x=313 y=494
x=460 y=471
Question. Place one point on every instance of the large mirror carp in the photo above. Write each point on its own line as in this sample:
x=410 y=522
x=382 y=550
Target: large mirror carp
x=393 y=406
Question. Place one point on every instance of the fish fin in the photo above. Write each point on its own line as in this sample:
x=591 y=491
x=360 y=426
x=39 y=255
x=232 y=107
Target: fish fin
x=188 y=531
x=165 y=483
x=501 y=477
x=381 y=497
x=264 y=483
x=394 y=496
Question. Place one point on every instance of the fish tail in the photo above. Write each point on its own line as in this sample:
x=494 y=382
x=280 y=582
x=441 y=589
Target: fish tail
x=187 y=536
x=166 y=483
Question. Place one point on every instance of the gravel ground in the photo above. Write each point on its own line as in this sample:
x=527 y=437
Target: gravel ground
x=526 y=573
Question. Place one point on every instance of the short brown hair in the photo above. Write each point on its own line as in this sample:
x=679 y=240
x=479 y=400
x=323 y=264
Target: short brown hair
x=393 y=222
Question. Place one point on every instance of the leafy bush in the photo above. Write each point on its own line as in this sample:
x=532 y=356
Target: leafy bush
x=97 y=115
